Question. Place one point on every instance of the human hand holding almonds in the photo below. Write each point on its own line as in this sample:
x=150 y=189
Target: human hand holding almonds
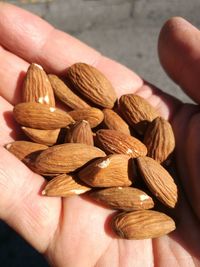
x=61 y=147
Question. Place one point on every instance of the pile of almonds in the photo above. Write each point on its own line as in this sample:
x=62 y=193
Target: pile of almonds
x=113 y=149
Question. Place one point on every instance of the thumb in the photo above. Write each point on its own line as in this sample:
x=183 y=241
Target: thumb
x=22 y=207
x=179 y=53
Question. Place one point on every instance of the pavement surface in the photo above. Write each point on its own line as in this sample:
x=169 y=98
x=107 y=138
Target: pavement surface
x=125 y=30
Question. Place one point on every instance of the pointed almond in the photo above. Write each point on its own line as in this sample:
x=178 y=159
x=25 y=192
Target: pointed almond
x=159 y=139
x=66 y=158
x=26 y=151
x=114 y=122
x=64 y=185
x=142 y=224
x=137 y=111
x=21 y=149
x=80 y=132
x=65 y=94
x=158 y=180
x=112 y=141
x=92 y=84
x=36 y=87
x=39 y=116
x=113 y=170
x=123 y=198
x=93 y=115
x=45 y=137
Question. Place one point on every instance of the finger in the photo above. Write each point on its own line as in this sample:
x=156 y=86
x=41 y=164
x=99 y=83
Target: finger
x=12 y=73
x=53 y=49
x=186 y=128
x=192 y=157
x=56 y=50
x=40 y=40
x=8 y=126
x=33 y=216
x=179 y=53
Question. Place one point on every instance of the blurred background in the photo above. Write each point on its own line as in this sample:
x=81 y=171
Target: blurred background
x=125 y=30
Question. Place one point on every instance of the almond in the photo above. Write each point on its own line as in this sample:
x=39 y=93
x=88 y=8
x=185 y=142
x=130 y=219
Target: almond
x=112 y=142
x=26 y=151
x=159 y=139
x=36 y=87
x=21 y=149
x=93 y=115
x=64 y=185
x=137 y=111
x=80 y=132
x=65 y=94
x=142 y=224
x=92 y=84
x=45 y=137
x=158 y=180
x=113 y=170
x=123 y=198
x=114 y=122
x=66 y=158
x=39 y=116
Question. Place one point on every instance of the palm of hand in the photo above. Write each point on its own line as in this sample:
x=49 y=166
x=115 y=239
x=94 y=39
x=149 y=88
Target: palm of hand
x=85 y=234
x=74 y=231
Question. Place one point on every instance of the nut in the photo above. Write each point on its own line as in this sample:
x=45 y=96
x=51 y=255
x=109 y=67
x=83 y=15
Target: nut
x=92 y=84
x=158 y=180
x=65 y=94
x=36 y=87
x=142 y=224
x=93 y=115
x=64 y=185
x=113 y=170
x=80 y=132
x=123 y=198
x=114 y=122
x=159 y=139
x=39 y=116
x=137 y=111
x=66 y=158
x=112 y=141
x=45 y=137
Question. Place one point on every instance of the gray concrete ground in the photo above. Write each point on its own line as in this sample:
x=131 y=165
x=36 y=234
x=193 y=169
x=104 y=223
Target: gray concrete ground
x=125 y=30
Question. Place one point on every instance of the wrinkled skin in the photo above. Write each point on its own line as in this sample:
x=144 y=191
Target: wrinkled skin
x=74 y=232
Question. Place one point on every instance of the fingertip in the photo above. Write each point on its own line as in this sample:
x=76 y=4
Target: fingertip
x=179 y=54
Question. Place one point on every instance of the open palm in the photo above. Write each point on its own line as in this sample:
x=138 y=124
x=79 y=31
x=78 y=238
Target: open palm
x=74 y=231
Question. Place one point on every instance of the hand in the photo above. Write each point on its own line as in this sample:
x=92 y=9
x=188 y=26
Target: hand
x=73 y=231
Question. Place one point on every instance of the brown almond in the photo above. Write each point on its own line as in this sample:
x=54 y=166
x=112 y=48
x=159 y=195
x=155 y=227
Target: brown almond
x=39 y=116
x=123 y=198
x=159 y=139
x=66 y=158
x=80 y=132
x=65 y=94
x=142 y=224
x=158 y=180
x=45 y=137
x=114 y=122
x=113 y=170
x=112 y=142
x=36 y=86
x=93 y=115
x=64 y=185
x=92 y=84
x=21 y=149
x=26 y=151
x=137 y=111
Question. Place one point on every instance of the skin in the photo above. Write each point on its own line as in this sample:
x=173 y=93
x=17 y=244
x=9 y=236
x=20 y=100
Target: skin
x=75 y=232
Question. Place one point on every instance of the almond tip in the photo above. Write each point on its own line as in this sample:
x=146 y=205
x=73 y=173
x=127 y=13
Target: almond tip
x=37 y=65
x=44 y=192
x=8 y=146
